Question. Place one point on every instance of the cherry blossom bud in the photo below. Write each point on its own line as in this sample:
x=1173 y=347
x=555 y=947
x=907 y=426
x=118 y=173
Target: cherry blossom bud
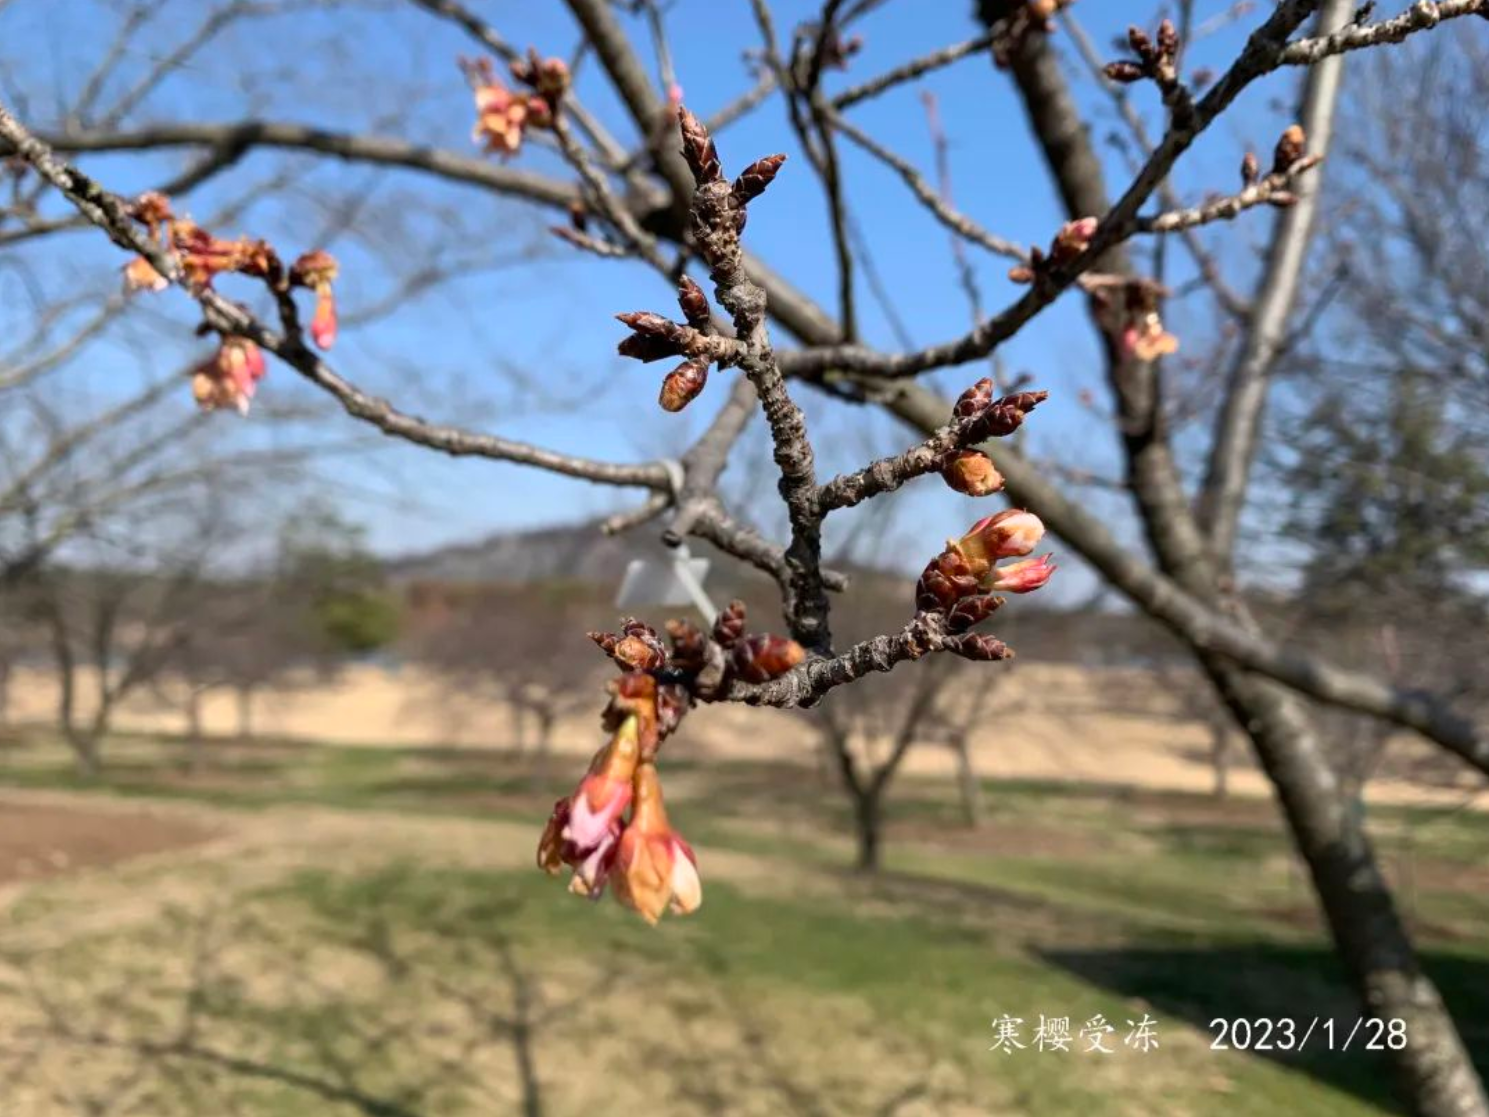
x=1124 y=72
x=1073 y=238
x=946 y=580
x=974 y=400
x=981 y=648
x=729 y=625
x=323 y=324
x=318 y=270
x=1250 y=169
x=1020 y=577
x=689 y=646
x=698 y=148
x=972 y=611
x=140 y=275
x=971 y=473
x=755 y=178
x=681 y=386
x=654 y=868
x=1010 y=534
x=1289 y=149
x=694 y=303
x=760 y=658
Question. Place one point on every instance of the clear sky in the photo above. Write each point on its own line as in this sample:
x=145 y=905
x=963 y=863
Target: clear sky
x=525 y=346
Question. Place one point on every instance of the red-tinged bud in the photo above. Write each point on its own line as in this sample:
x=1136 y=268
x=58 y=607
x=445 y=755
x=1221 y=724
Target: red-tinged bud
x=1289 y=149
x=654 y=868
x=1006 y=415
x=694 y=303
x=975 y=400
x=637 y=648
x=971 y=473
x=539 y=113
x=315 y=270
x=1021 y=273
x=689 y=646
x=1142 y=46
x=755 y=178
x=1124 y=72
x=1020 y=577
x=140 y=275
x=1168 y=39
x=972 y=611
x=729 y=625
x=647 y=348
x=648 y=322
x=681 y=386
x=980 y=648
x=551 y=79
x=698 y=148
x=946 y=580
x=1250 y=169
x=1010 y=534
x=1073 y=238
x=760 y=658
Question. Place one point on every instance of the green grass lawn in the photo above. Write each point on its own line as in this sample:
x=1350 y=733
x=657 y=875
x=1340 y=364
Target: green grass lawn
x=377 y=944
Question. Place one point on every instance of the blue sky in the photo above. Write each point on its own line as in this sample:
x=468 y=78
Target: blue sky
x=454 y=352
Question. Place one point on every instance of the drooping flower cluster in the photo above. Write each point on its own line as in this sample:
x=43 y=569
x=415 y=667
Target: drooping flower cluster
x=503 y=115
x=651 y=868
x=230 y=377
x=963 y=581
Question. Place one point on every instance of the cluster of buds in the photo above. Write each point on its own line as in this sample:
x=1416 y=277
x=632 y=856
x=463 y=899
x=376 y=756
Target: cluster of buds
x=1143 y=335
x=650 y=866
x=719 y=208
x=1289 y=159
x=502 y=114
x=655 y=338
x=963 y=581
x=1030 y=17
x=229 y=378
x=1157 y=58
x=1070 y=242
x=979 y=416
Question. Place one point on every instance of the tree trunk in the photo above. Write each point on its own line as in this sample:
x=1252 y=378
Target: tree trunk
x=194 y=743
x=1436 y=1075
x=968 y=784
x=1220 y=756
x=245 y=713
x=869 y=823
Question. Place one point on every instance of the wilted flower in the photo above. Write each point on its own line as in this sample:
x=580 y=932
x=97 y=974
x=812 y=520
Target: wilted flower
x=654 y=868
x=231 y=377
x=584 y=828
x=1020 y=577
x=140 y=275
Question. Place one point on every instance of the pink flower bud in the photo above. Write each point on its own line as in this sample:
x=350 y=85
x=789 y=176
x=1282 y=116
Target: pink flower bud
x=1011 y=533
x=1020 y=577
x=140 y=275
